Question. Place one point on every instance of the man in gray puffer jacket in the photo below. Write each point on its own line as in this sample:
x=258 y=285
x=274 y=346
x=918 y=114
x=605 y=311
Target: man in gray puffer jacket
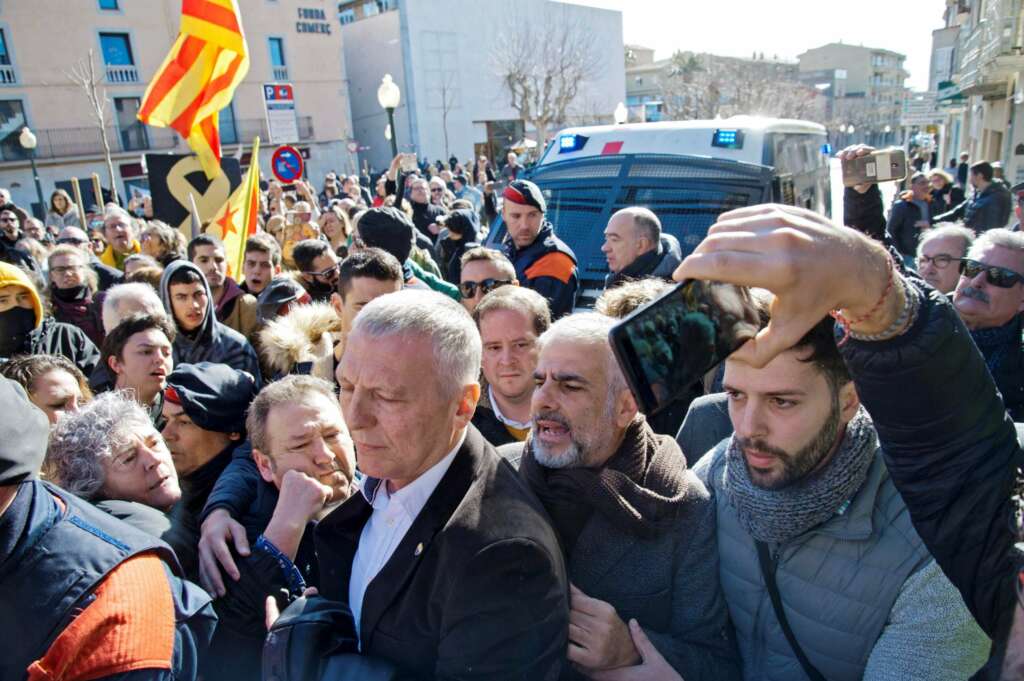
x=806 y=505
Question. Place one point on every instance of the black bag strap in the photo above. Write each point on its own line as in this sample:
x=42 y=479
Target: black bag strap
x=768 y=572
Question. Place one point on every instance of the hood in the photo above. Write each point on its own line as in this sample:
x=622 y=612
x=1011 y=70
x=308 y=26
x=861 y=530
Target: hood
x=209 y=328
x=24 y=430
x=672 y=255
x=11 y=275
x=303 y=335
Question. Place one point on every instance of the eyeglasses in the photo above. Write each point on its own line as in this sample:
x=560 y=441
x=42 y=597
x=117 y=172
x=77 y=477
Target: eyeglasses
x=1000 y=277
x=941 y=261
x=8 y=219
x=468 y=288
x=436 y=190
x=66 y=269
x=71 y=241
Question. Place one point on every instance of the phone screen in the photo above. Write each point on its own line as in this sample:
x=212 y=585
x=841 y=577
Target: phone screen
x=667 y=344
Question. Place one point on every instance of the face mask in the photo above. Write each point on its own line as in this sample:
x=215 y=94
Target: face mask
x=14 y=325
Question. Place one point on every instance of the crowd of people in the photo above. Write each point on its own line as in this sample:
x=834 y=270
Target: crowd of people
x=384 y=450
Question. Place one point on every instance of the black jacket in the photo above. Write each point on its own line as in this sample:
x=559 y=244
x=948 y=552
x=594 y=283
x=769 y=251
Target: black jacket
x=54 y=338
x=947 y=199
x=951 y=450
x=108 y=276
x=476 y=589
x=424 y=215
x=16 y=256
x=548 y=266
x=984 y=210
x=661 y=263
x=493 y=430
x=902 y=225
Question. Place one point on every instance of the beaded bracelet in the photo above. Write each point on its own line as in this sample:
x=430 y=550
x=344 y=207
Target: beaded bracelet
x=906 y=318
x=847 y=323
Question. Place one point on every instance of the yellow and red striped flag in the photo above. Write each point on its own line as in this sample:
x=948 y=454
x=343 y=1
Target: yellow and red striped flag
x=235 y=222
x=199 y=76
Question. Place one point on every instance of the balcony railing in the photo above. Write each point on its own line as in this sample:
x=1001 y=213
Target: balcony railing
x=244 y=129
x=61 y=142
x=280 y=73
x=122 y=74
x=7 y=75
x=993 y=36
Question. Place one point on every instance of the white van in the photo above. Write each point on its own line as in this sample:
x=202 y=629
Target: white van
x=687 y=172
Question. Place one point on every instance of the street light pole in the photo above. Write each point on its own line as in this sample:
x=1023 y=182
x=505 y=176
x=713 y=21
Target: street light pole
x=28 y=142
x=388 y=96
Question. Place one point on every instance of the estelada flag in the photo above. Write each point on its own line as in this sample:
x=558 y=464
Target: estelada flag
x=199 y=76
x=235 y=222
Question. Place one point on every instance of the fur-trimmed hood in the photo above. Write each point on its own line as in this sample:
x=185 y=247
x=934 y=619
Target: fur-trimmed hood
x=306 y=334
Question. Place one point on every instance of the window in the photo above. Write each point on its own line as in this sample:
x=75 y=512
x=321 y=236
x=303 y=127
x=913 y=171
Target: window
x=117 y=49
x=133 y=131
x=5 y=55
x=277 y=52
x=12 y=118
x=109 y=5
x=228 y=128
x=347 y=16
x=370 y=9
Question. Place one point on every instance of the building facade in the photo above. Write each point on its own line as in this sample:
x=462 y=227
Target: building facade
x=983 y=93
x=442 y=57
x=865 y=88
x=293 y=41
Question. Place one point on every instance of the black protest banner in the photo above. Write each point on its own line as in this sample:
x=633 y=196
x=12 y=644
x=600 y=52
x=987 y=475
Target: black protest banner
x=173 y=176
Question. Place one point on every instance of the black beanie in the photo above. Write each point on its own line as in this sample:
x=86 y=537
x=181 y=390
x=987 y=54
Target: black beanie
x=388 y=229
x=24 y=431
x=215 y=396
x=464 y=223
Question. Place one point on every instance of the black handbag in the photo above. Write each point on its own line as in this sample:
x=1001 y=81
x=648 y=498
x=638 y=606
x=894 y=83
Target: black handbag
x=315 y=638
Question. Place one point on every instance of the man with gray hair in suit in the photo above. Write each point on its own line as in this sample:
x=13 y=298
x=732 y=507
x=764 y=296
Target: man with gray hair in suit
x=638 y=528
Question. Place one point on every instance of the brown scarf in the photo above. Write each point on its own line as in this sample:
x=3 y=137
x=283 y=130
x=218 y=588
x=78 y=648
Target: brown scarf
x=640 y=489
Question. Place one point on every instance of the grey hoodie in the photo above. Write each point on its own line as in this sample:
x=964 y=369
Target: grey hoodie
x=213 y=342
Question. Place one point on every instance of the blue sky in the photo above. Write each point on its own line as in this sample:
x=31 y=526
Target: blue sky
x=782 y=27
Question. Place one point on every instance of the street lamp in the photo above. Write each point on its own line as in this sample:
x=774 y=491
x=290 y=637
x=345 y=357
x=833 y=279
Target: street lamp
x=621 y=114
x=388 y=96
x=28 y=142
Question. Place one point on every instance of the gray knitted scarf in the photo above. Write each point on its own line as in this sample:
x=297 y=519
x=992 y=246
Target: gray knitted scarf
x=780 y=515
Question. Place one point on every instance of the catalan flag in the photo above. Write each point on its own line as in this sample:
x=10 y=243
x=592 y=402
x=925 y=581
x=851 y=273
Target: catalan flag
x=199 y=76
x=235 y=222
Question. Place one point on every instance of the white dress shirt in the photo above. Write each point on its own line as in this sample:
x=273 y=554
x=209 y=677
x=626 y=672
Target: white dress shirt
x=392 y=516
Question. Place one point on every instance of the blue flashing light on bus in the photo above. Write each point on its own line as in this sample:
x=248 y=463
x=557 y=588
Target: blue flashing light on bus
x=570 y=143
x=727 y=139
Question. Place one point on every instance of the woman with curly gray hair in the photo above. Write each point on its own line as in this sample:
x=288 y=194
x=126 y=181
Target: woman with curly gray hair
x=109 y=450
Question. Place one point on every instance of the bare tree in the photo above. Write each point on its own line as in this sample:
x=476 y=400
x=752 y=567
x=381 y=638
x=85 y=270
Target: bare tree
x=83 y=73
x=447 y=93
x=543 y=64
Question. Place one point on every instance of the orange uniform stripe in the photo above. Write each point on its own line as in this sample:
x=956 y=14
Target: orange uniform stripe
x=557 y=265
x=208 y=11
x=165 y=81
x=129 y=626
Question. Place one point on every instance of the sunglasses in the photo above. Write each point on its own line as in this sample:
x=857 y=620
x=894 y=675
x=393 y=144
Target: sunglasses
x=1000 y=277
x=326 y=274
x=468 y=288
x=436 y=191
x=72 y=242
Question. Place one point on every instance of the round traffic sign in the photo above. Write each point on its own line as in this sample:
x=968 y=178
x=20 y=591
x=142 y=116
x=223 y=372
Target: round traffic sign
x=286 y=164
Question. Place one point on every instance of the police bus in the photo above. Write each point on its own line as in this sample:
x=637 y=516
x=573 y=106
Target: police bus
x=687 y=172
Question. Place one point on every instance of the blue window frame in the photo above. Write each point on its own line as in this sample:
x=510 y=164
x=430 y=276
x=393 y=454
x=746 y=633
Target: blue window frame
x=228 y=127
x=117 y=49
x=5 y=54
x=276 y=51
x=109 y=5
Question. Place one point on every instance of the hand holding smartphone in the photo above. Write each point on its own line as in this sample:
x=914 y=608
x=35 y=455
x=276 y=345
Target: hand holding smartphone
x=881 y=165
x=667 y=344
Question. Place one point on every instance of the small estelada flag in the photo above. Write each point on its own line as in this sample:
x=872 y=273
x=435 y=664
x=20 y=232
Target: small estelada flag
x=199 y=76
x=235 y=222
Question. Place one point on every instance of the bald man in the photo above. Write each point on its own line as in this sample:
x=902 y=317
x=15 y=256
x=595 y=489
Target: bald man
x=636 y=248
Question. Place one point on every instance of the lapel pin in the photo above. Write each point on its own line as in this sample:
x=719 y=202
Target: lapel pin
x=419 y=549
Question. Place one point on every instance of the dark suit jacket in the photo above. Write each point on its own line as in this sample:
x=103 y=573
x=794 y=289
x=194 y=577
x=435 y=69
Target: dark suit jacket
x=476 y=589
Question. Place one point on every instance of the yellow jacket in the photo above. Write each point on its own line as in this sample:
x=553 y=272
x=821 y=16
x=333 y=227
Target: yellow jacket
x=112 y=259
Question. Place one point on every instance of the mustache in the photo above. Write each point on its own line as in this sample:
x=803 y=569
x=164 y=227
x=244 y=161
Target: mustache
x=553 y=416
x=975 y=293
x=761 y=446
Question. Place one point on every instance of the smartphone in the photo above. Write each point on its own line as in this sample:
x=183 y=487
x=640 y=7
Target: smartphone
x=663 y=347
x=408 y=163
x=882 y=165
